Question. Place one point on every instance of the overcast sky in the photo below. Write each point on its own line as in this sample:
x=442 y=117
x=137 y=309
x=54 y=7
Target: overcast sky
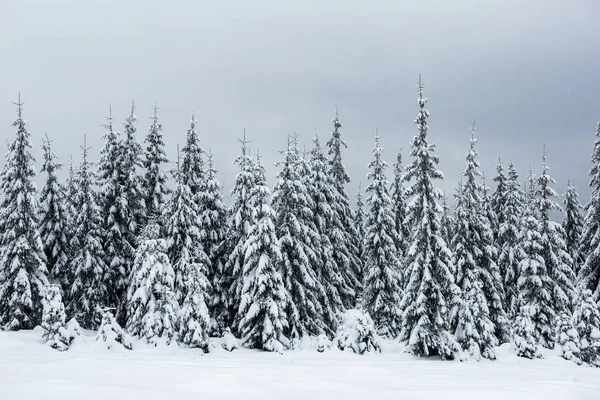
x=528 y=71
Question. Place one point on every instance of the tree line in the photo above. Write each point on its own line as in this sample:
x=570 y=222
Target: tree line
x=162 y=250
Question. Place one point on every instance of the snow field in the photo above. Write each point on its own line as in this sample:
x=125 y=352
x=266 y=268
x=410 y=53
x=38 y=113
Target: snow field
x=87 y=371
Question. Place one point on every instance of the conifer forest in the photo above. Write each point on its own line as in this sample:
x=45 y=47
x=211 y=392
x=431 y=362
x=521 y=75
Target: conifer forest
x=139 y=252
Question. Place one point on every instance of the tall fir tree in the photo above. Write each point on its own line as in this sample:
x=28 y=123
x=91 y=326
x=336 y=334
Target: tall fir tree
x=509 y=241
x=182 y=229
x=155 y=179
x=534 y=285
x=321 y=190
x=572 y=224
x=383 y=283
x=213 y=235
x=88 y=292
x=242 y=220
x=345 y=249
x=479 y=318
x=152 y=308
x=70 y=191
x=297 y=238
x=589 y=247
x=23 y=271
x=263 y=296
x=53 y=221
x=115 y=215
x=399 y=207
x=430 y=289
x=360 y=218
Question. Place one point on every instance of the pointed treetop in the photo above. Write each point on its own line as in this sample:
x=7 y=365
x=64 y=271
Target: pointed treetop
x=210 y=158
x=377 y=137
x=19 y=105
x=544 y=154
x=244 y=142
x=132 y=107
x=258 y=156
x=109 y=119
x=155 y=108
x=336 y=121
x=47 y=141
x=473 y=130
x=420 y=87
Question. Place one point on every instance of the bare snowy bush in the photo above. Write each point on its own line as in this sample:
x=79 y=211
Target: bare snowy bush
x=357 y=332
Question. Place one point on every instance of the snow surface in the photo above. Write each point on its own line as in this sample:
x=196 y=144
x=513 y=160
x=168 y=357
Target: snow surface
x=87 y=371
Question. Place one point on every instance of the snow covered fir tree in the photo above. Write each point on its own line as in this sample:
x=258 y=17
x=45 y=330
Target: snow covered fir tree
x=141 y=255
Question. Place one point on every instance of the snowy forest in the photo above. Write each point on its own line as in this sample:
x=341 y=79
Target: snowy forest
x=136 y=251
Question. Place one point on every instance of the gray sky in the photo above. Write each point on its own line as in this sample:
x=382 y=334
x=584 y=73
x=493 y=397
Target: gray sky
x=527 y=71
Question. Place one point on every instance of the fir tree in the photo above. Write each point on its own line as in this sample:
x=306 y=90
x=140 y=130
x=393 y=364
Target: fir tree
x=242 y=220
x=70 y=191
x=263 y=296
x=192 y=165
x=345 y=249
x=430 y=287
x=23 y=272
x=499 y=197
x=589 y=248
x=53 y=220
x=53 y=325
x=567 y=338
x=89 y=291
x=152 y=308
x=360 y=219
x=110 y=332
x=115 y=213
x=320 y=188
x=184 y=247
x=194 y=321
x=446 y=221
x=572 y=224
x=586 y=319
x=534 y=285
x=155 y=178
x=509 y=240
x=383 y=289
x=556 y=257
x=297 y=237
x=213 y=234
x=524 y=341
x=476 y=273
x=399 y=207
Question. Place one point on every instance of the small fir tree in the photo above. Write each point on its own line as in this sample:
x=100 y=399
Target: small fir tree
x=194 y=321
x=586 y=319
x=572 y=224
x=152 y=308
x=55 y=333
x=155 y=179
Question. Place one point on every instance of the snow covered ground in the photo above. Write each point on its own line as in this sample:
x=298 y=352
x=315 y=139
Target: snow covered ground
x=31 y=370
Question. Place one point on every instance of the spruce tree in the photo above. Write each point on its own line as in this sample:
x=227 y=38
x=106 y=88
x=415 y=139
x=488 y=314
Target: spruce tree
x=152 y=308
x=23 y=271
x=499 y=197
x=89 y=290
x=242 y=220
x=70 y=191
x=360 y=218
x=479 y=317
x=345 y=249
x=263 y=296
x=567 y=338
x=192 y=165
x=53 y=324
x=297 y=237
x=194 y=320
x=509 y=240
x=53 y=221
x=321 y=190
x=586 y=319
x=383 y=288
x=524 y=341
x=184 y=247
x=534 y=285
x=399 y=207
x=572 y=224
x=213 y=235
x=155 y=179
x=116 y=216
x=554 y=250
x=447 y=220
x=430 y=287
x=589 y=247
